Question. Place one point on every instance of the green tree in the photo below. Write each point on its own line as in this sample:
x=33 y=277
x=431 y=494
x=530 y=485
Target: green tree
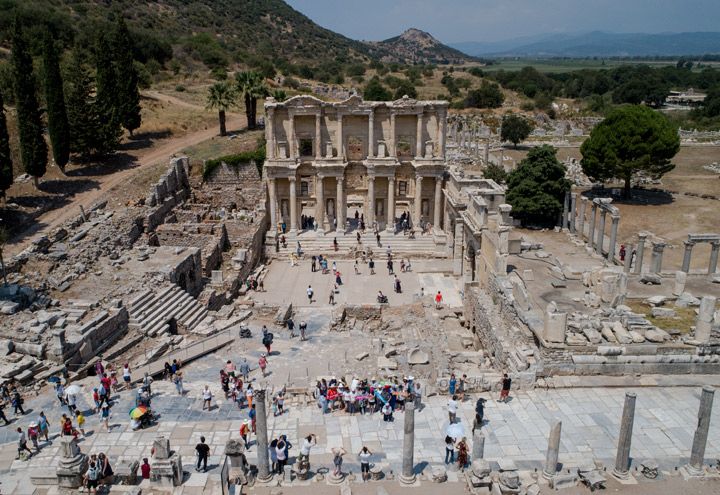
x=33 y=148
x=515 y=128
x=6 y=166
x=405 y=87
x=375 y=91
x=711 y=105
x=107 y=100
x=252 y=86
x=221 y=96
x=496 y=173
x=486 y=96
x=537 y=187
x=630 y=140
x=128 y=97
x=58 y=128
x=82 y=115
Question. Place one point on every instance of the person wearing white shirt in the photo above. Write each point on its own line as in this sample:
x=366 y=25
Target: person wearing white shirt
x=452 y=409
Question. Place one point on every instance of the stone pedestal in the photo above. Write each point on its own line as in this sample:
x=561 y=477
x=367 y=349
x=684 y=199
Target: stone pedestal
x=478 y=448
x=167 y=468
x=73 y=464
x=235 y=453
x=697 y=455
x=555 y=324
x=126 y=472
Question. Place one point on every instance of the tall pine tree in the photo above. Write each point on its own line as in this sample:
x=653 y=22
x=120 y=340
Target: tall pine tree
x=55 y=101
x=107 y=101
x=33 y=148
x=127 y=78
x=6 y=168
x=81 y=110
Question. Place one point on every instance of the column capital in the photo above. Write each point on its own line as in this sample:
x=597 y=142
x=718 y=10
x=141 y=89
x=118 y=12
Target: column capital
x=689 y=243
x=292 y=178
x=339 y=179
x=615 y=218
x=418 y=178
x=715 y=244
x=391 y=178
x=320 y=176
x=642 y=236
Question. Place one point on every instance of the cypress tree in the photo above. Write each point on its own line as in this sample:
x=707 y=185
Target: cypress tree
x=6 y=169
x=107 y=100
x=127 y=79
x=33 y=148
x=55 y=101
x=81 y=110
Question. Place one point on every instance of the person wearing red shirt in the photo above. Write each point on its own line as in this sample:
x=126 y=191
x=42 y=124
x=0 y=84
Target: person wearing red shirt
x=145 y=469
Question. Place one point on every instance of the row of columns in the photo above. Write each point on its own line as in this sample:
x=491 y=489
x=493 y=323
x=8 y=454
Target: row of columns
x=341 y=208
x=714 y=250
x=595 y=237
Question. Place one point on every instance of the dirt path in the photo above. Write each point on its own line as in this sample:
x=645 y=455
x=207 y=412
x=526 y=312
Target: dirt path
x=160 y=150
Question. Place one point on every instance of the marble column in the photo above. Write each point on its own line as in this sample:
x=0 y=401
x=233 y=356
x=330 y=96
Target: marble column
x=263 y=463
x=601 y=233
x=418 y=202
x=593 y=218
x=272 y=194
x=640 y=250
x=553 y=451
x=418 y=138
x=291 y=138
x=478 y=448
x=615 y=219
x=318 y=137
x=391 y=205
x=270 y=133
x=697 y=454
x=371 y=201
x=458 y=239
x=487 y=153
x=581 y=217
x=657 y=254
x=565 y=221
x=622 y=460
x=392 y=149
x=340 y=135
x=371 y=134
x=293 y=204
x=443 y=129
x=714 y=249
x=340 y=206
x=437 y=211
x=573 y=207
x=628 y=259
x=320 y=201
x=407 y=476
x=687 y=256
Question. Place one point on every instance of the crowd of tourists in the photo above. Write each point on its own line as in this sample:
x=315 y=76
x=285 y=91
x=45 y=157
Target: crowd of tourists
x=367 y=396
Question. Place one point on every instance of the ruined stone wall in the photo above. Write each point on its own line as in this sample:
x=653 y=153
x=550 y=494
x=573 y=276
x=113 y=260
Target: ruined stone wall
x=80 y=345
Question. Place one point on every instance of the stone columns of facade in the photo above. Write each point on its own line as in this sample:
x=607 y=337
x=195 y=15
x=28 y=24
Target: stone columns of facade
x=553 y=451
x=270 y=133
x=573 y=206
x=340 y=206
x=458 y=240
x=392 y=150
x=340 y=135
x=697 y=455
x=418 y=138
x=320 y=200
x=565 y=221
x=318 y=137
x=371 y=134
x=581 y=217
x=600 y=233
x=591 y=230
x=687 y=256
x=272 y=195
x=622 y=460
x=706 y=313
x=615 y=219
x=442 y=116
x=714 y=249
x=293 y=204
x=418 y=202
x=478 y=448
x=487 y=153
x=408 y=464
x=657 y=254
x=263 y=463
x=291 y=138
x=438 y=202
x=640 y=250
x=391 y=205
x=371 y=200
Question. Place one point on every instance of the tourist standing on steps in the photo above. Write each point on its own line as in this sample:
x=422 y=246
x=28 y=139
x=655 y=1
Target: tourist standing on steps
x=313 y=266
x=505 y=392
x=202 y=450
x=126 y=376
x=452 y=409
x=207 y=397
x=44 y=426
x=357 y=268
x=452 y=384
x=461 y=388
x=291 y=326
x=398 y=287
x=365 y=456
x=390 y=267
x=245 y=370
x=310 y=293
x=377 y=236
x=262 y=362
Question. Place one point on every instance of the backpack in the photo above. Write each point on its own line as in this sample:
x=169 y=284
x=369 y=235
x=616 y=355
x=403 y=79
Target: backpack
x=448 y=439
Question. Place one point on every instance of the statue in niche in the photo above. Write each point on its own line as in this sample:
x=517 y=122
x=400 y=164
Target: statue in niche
x=331 y=207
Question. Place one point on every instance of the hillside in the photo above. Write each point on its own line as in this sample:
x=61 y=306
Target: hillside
x=418 y=47
x=599 y=44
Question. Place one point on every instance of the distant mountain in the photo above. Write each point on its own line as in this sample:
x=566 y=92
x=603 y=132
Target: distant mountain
x=598 y=44
x=418 y=47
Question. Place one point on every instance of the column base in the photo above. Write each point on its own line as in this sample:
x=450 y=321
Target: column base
x=548 y=475
x=620 y=475
x=407 y=480
x=689 y=471
x=265 y=480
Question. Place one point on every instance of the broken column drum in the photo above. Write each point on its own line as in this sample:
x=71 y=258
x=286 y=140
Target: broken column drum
x=553 y=451
x=697 y=455
x=622 y=460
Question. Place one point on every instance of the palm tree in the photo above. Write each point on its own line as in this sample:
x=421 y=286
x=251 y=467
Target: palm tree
x=252 y=86
x=221 y=96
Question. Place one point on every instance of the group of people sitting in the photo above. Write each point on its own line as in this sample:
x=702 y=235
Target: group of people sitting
x=367 y=396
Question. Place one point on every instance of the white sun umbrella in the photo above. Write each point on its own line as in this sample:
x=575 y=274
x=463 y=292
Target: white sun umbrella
x=72 y=390
x=456 y=431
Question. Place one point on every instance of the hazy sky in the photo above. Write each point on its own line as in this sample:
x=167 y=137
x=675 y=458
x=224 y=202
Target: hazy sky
x=493 y=20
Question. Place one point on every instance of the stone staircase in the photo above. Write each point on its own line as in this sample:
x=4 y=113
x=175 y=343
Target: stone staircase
x=313 y=243
x=152 y=310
